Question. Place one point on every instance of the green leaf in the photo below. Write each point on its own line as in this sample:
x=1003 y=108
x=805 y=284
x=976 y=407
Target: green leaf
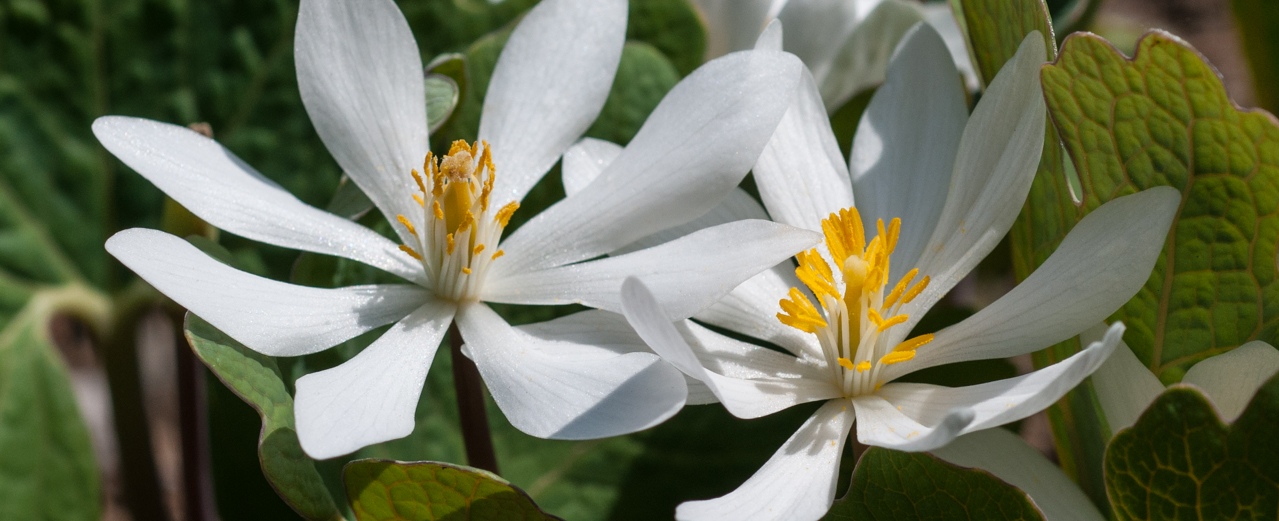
x=1181 y=462
x=1163 y=118
x=47 y=469
x=673 y=27
x=893 y=485
x=428 y=490
x=256 y=379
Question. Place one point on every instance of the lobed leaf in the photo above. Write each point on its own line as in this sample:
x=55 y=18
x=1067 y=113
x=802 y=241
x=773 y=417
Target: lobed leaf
x=428 y=490
x=1180 y=461
x=256 y=379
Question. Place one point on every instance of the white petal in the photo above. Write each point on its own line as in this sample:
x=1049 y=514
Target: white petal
x=1100 y=264
x=584 y=161
x=688 y=274
x=771 y=38
x=996 y=403
x=733 y=25
x=360 y=76
x=736 y=359
x=1009 y=458
x=1231 y=379
x=270 y=317
x=813 y=26
x=940 y=16
x=1125 y=387
x=998 y=155
x=372 y=397
x=801 y=173
x=695 y=147
x=218 y=187
x=561 y=390
x=863 y=55
x=737 y=206
x=906 y=142
x=549 y=84
x=752 y=307
x=881 y=424
x=797 y=483
x=744 y=398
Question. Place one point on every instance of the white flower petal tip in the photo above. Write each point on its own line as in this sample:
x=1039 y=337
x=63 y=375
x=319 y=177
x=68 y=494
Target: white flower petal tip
x=372 y=397
x=217 y=186
x=771 y=38
x=270 y=317
x=1101 y=264
x=1231 y=379
x=797 y=482
x=562 y=390
x=995 y=403
x=743 y=398
x=370 y=113
x=1009 y=458
x=880 y=424
x=549 y=84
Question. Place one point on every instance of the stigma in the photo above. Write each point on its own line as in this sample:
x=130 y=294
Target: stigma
x=458 y=229
x=857 y=306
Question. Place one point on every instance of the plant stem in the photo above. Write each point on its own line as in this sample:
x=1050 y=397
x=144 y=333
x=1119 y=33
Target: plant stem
x=470 y=407
x=197 y=481
x=143 y=494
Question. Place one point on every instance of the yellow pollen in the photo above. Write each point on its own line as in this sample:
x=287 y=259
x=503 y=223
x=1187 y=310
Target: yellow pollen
x=418 y=177
x=498 y=254
x=897 y=357
x=411 y=252
x=878 y=385
x=899 y=288
x=915 y=291
x=407 y=225
x=846 y=364
x=449 y=238
x=504 y=215
x=914 y=343
x=893 y=321
x=466 y=271
x=798 y=312
x=874 y=317
x=467 y=221
x=419 y=200
x=864 y=366
x=435 y=209
x=478 y=248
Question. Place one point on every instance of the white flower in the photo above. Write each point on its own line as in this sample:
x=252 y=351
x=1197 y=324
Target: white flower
x=845 y=43
x=1126 y=387
x=361 y=80
x=936 y=190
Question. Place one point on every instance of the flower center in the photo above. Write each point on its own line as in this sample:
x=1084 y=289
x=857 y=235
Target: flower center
x=457 y=228
x=857 y=309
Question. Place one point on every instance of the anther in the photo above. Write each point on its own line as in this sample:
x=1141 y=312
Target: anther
x=411 y=252
x=407 y=225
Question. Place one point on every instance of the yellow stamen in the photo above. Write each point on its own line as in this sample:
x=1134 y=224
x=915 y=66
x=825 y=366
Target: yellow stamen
x=411 y=252
x=875 y=318
x=504 y=215
x=846 y=364
x=914 y=343
x=799 y=313
x=864 y=366
x=435 y=209
x=449 y=238
x=418 y=177
x=815 y=273
x=478 y=248
x=498 y=254
x=892 y=321
x=899 y=288
x=466 y=271
x=916 y=290
x=407 y=225
x=467 y=221
x=894 y=229
x=419 y=200
x=897 y=357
